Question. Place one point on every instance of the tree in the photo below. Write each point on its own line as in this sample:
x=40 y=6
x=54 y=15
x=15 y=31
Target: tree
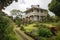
x=54 y=6
x=6 y=29
x=18 y=20
x=16 y=12
x=56 y=18
x=18 y=15
x=6 y=24
x=2 y=14
x=4 y=3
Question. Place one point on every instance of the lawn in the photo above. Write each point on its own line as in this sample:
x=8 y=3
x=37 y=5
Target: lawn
x=33 y=30
x=31 y=27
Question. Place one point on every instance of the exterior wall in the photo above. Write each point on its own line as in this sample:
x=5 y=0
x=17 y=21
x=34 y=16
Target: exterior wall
x=36 y=13
x=35 y=18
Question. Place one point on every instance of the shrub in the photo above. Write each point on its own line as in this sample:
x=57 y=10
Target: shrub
x=22 y=28
x=17 y=20
x=44 y=32
x=43 y=26
x=58 y=36
x=37 y=25
x=6 y=28
x=58 y=26
x=34 y=33
x=42 y=38
x=53 y=30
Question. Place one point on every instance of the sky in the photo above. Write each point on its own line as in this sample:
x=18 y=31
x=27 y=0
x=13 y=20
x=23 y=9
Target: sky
x=23 y=4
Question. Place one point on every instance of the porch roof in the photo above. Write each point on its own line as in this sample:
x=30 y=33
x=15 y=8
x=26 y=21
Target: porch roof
x=30 y=9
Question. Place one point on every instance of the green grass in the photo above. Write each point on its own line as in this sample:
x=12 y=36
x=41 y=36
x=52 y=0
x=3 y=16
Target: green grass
x=31 y=27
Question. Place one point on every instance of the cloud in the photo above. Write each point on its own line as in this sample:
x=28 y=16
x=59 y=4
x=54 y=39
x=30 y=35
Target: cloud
x=23 y=4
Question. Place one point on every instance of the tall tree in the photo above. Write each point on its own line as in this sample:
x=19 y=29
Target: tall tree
x=2 y=14
x=6 y=29
x=4 y=3
x=54 y=6
x=6 y=24
x=18 y=16
x=16 y=12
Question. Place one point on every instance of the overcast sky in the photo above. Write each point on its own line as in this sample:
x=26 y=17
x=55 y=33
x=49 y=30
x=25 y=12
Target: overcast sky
x=23 y=4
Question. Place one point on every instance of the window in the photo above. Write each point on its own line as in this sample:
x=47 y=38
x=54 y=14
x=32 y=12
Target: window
x=32 y=10
x=37 y=10
x=38 y=17
x=41 y=11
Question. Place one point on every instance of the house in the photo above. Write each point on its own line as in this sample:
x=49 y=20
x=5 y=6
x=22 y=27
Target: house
x=35 y=13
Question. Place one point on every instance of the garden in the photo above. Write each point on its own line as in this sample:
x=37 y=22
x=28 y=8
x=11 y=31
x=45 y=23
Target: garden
x=42 y=31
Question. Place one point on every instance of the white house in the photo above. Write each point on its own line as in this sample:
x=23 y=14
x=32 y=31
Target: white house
x=35 y=13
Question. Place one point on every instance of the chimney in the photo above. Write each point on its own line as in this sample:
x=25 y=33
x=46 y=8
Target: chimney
x=35 y=6
x=27 y=8
x=38 y=6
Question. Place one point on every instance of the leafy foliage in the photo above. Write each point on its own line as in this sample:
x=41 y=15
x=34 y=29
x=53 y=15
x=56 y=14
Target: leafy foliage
x=2 y=13
x=42 y=38
x=22 y=28
x=49 y=18
x=4 y=3
x=58 y=36
x=58 y=25
x=44 y=32
x=14 y=11
x=54 y=6
x=17 y=20
x=6 y=29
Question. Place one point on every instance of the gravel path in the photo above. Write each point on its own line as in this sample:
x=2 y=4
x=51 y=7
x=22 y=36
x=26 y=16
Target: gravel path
x=24 y=38
x=22 y=35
